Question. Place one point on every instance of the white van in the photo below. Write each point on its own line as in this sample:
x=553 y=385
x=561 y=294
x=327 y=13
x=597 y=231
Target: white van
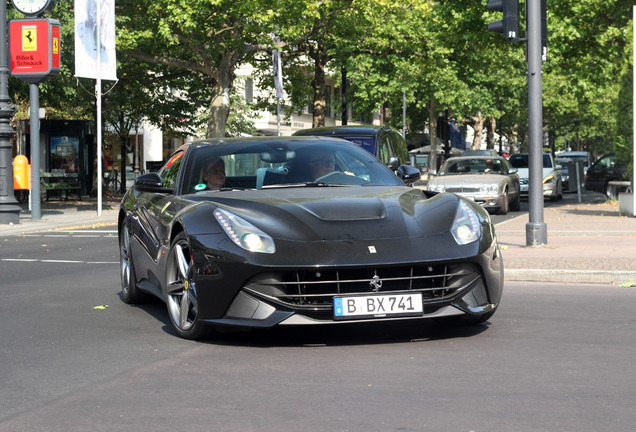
x=578 y=156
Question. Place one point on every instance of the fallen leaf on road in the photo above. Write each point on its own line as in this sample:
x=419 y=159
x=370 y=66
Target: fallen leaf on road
x=101 y=307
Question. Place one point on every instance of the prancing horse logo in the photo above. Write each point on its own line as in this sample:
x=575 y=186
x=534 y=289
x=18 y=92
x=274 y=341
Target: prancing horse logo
x=376 y=283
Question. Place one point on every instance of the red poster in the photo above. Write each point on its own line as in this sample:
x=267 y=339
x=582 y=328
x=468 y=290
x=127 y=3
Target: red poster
x=34 y=47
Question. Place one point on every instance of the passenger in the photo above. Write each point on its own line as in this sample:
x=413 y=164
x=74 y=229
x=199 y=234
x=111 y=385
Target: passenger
x=213 y=174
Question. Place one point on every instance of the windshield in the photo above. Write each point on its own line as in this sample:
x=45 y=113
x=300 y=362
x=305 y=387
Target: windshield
x=260 y=164
x=472 y=166
x=521 y=160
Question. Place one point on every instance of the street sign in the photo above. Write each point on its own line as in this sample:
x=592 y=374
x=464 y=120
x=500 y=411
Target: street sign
x=34 y=49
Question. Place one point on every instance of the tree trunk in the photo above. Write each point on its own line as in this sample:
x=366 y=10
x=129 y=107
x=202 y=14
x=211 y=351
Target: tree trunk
x=477 y=122
x=220 y=103
x=320 y=89
x=432 y=134
x=491 y=127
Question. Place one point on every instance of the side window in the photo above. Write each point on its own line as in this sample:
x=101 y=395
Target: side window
x=384 y=152
x=399 y=147
x=606 y=162
x=170 y=171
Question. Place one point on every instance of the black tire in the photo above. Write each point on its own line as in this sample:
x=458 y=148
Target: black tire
x=516 y=204
x=181 y=297
x=503 y=210
x=129 y=291
x=116 y=187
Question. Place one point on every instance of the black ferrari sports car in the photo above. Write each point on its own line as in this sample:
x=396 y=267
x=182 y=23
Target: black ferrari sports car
x=260 y=232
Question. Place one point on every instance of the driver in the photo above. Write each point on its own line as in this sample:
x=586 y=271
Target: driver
x=321 y=164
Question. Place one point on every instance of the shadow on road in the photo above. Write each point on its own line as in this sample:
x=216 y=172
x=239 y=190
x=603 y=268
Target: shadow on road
x=346 y=334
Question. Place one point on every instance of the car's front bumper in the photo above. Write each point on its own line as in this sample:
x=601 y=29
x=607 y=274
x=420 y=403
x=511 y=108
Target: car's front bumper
x=271 y=297
x=486 y=201
x=549 y=189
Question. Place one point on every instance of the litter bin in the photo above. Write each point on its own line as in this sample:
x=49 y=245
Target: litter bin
x=21 y=173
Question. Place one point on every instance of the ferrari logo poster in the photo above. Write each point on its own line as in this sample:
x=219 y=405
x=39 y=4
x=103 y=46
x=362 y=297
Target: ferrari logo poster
x=29 y=38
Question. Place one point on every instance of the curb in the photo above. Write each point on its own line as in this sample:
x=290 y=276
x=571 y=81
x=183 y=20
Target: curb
x=614 y=277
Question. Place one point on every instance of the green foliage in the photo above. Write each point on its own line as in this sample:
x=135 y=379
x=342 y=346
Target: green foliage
x=625 y=107
x=178 y=60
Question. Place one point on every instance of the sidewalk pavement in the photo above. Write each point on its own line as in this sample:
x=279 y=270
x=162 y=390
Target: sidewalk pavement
x=64 y=215
x=588 y=242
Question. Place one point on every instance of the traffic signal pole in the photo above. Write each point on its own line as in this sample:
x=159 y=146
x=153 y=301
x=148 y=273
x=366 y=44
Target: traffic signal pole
x=536 y=228
x=537 y=48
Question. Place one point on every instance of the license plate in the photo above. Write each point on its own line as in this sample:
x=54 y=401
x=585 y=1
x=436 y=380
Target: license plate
x=378 y=306
x=524 y=188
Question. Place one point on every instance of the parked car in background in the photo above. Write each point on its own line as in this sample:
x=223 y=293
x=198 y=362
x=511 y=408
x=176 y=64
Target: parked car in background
x=603 y=171
x=489 y=181
x=552 y=177
x=271 y=249
x=382 y=142
x=481 y=152
x=583 y=156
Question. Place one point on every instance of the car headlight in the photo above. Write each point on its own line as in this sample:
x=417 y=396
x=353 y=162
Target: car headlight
x=548 y=179
x=489 y=189
x=437 y=188
x=243 y=233
x=466 y=227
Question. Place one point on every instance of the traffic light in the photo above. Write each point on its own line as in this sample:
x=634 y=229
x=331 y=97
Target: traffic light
x=509 y=24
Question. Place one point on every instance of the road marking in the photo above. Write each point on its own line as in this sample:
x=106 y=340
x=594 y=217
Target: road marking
x=30 y=260
x=19 y=259
x=77 y=235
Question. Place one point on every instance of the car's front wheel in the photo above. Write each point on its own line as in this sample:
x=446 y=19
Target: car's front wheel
x=181 y=296
x=503 y=210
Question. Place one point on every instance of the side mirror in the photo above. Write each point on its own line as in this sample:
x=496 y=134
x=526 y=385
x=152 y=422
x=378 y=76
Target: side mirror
x=408 y=174
x=394 y=163
x=151 y=182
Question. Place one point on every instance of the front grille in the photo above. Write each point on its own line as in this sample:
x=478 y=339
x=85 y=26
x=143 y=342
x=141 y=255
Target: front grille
x=316 y=288
x=463 y=189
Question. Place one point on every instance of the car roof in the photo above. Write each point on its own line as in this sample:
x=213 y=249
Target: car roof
x=357 y=130
x=574 y=153
x=220 y=141
x=478 y=157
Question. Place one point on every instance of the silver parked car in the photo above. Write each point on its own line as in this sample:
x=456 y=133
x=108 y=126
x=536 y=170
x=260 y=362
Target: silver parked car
x=489 y=181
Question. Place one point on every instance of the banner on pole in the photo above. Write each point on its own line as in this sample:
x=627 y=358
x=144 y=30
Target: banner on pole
x=278 y=74
x=86 y=39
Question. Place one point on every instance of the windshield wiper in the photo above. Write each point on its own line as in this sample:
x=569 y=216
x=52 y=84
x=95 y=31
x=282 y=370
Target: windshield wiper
x=304 y=184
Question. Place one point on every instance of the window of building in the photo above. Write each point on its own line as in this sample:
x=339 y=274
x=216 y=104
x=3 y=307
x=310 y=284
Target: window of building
x=249 y=90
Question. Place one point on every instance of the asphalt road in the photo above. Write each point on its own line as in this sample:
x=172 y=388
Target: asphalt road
x=568 y=198
x=553 y=358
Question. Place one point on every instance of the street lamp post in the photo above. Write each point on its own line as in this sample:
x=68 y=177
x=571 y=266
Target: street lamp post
x=9 y=209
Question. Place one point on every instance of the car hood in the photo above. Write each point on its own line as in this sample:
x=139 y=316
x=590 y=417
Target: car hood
x=330 y=213
x=466 y=179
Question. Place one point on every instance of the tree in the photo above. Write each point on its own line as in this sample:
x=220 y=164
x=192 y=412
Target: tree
x=205 y=39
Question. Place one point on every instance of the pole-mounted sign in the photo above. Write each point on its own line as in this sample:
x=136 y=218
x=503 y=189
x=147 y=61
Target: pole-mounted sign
x=34 y=47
